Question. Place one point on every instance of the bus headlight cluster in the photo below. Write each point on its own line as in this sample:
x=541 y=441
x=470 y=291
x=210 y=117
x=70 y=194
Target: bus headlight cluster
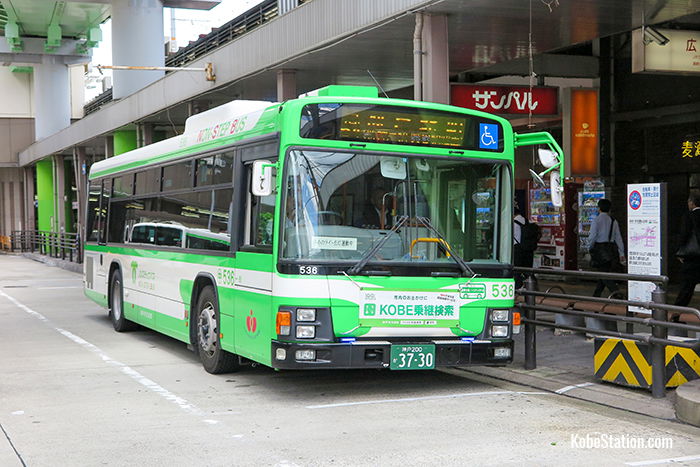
x=499 y=331
x=306 y=332
x=500 y=315
x=306 y=314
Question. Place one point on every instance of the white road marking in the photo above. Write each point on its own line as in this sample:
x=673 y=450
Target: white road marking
x=569 y=388
x=670 y=460
x=60 y=287
x=424 y=398
x=133 y=374
x=18 y=412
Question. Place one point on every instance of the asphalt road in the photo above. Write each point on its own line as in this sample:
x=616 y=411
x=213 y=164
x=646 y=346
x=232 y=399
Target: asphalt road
x=74 y=392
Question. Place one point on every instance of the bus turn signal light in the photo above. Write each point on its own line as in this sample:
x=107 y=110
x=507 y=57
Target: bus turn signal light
x=284 y=323
x=516 y=318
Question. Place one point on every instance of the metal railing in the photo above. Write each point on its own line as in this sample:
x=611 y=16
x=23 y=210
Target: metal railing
x=61 y=245
x=658 y=321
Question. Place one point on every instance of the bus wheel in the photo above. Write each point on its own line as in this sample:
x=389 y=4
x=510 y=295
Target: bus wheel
x=116 y=306
x=214 y=359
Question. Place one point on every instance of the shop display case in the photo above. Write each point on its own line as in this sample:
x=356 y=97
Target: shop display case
x=588 y=197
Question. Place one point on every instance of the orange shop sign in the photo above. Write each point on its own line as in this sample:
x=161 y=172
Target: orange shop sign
x=584 y=132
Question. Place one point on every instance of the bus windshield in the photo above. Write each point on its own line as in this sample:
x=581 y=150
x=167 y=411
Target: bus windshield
x=338 y=205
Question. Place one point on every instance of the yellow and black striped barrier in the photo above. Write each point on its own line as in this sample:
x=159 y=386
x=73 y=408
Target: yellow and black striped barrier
x=628 y=363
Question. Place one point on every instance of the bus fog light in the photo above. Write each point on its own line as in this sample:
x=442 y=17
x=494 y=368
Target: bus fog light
x=499 y=315
x=305 y=355
x=501 y=352
x=306 y=332
x=499 y=331
x=281 y=354
x=306 y=314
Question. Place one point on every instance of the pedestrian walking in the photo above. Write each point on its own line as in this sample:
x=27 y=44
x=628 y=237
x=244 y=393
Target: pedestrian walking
x=525 y=237
x=689 y=251
x=605 y=246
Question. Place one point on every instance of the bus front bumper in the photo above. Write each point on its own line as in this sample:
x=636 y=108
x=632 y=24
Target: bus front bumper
x=377 y=354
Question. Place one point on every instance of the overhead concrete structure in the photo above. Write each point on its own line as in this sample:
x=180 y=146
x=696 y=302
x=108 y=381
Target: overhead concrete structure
x=137 y=40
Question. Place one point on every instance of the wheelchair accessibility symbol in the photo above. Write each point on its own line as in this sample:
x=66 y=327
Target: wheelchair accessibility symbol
x=488 y=138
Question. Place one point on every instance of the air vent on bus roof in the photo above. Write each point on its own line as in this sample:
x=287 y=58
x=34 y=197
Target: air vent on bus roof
x=224 y=113
x=337 y=90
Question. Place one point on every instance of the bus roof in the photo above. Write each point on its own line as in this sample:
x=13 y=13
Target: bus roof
x=233 y=118
x=241 y=118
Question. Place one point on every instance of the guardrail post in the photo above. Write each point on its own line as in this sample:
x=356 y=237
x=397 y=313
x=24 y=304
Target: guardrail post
x=658 y=351
x=530 y=329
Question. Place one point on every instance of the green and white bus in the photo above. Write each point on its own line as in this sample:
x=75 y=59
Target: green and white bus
x=336 y=230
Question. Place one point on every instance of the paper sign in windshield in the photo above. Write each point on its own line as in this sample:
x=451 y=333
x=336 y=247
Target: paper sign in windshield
x=334 y=243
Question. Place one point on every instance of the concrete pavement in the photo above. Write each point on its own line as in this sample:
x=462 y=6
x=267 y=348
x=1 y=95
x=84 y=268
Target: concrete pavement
x=74 y=392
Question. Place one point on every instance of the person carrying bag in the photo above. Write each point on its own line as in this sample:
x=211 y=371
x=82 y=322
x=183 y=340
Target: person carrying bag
x=605 y=247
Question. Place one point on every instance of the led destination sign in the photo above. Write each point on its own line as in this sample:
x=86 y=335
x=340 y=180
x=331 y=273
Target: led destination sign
x=400 y=125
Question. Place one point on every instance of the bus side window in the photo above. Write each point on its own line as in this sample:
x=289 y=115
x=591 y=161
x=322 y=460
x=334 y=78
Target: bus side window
x=104 y=209
x=94 y=217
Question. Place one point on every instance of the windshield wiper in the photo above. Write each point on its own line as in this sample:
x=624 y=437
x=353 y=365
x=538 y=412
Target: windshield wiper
x=462 y=264
x=372 y=251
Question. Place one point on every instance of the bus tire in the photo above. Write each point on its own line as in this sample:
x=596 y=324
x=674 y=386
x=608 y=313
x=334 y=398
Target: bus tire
x=207 y=329
x=116 y=306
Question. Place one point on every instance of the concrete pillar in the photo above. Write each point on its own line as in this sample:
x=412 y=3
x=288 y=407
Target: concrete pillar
x=109 y=149
x=29 y=210
x=137 y=40
x=144 y=133
x=44 y=195
x=286 y=85
x=59 y=197
x=51 y=97
x=80 y=178
x=435 y=60
x=124 y=140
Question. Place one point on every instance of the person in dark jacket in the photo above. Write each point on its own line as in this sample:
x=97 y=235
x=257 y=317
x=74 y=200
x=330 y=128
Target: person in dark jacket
x=603 y=230
x=690 y=268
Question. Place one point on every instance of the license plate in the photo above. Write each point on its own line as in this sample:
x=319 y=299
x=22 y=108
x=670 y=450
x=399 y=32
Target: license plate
x=412 y=357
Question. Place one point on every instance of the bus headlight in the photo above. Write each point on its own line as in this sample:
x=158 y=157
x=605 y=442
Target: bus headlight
x=499 y=315
x=306 y=332
x=499 y=331
x=306 y=314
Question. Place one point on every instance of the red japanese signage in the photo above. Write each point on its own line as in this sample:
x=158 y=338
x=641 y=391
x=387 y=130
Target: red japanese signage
x=506 y=99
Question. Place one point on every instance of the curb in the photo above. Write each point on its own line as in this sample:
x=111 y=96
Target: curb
x=59 y=263
x=688 y=402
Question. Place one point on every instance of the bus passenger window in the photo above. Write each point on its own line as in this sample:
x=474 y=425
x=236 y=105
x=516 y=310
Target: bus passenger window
x=168 y=236
x=143 y=234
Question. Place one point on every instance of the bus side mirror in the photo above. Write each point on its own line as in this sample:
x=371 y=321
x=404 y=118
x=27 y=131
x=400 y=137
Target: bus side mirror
x=548 y=158
x=555 y=186
x=261 y=184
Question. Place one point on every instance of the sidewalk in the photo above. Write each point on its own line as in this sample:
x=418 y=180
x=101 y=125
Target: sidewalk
x=565 y=366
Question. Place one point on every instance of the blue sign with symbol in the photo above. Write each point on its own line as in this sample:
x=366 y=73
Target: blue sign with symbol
x=488 y=136
x=635 y=200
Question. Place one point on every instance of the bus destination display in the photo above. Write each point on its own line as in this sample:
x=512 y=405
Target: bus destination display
x=393 y=125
